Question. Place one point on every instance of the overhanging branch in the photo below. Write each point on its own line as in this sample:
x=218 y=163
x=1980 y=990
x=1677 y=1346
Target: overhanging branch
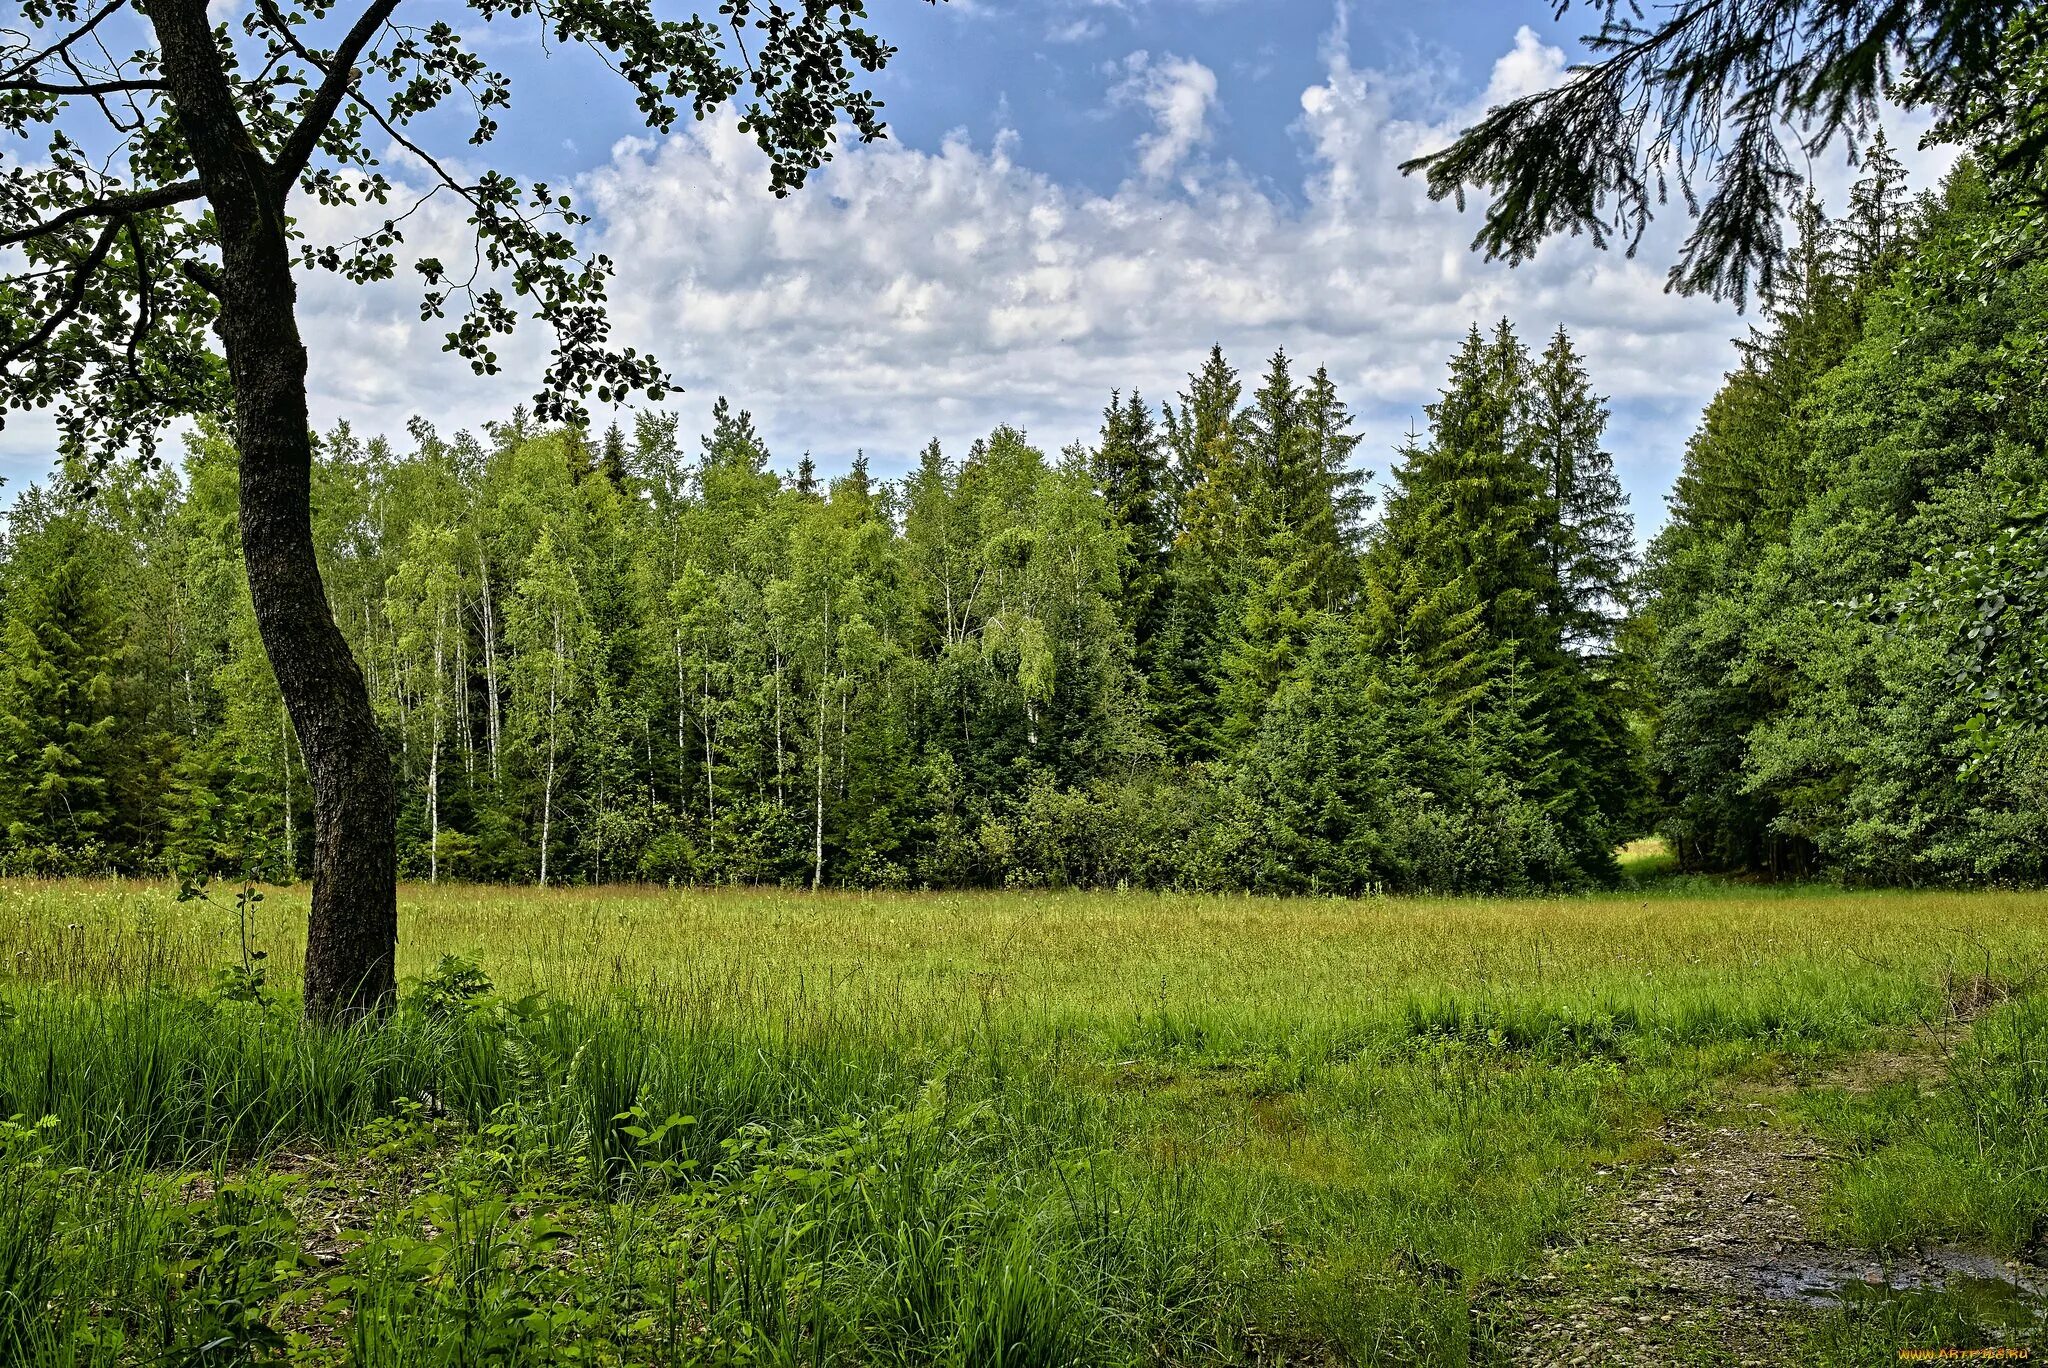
x=111 y=207
x=58 y=48
x=34 y=86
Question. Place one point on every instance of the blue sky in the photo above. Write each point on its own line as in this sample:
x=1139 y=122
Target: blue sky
x=1078 y=196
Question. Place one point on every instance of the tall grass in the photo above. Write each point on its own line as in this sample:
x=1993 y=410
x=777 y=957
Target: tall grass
x=539 y=1180
x=767 y=1127
x=1966 y=1162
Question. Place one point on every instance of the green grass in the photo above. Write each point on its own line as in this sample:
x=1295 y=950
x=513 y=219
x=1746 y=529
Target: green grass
x=1649 y=858
x=757 y=1126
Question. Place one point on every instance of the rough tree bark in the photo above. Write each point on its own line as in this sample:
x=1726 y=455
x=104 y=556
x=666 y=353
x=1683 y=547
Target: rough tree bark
x=352 y=933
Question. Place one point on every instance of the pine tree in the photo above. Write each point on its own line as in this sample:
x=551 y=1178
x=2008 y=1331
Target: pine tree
x=733 y=442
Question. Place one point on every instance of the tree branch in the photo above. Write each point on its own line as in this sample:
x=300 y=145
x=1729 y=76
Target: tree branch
x=338 y=72
x=74 y=294
x=38 y=87
x=57 y=48
x=203 y=275
x=112 y=207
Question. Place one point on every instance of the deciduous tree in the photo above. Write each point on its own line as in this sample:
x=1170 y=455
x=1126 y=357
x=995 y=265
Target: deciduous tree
x=165 y=205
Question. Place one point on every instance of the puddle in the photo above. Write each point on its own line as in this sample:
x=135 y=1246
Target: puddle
x=2009 y=1293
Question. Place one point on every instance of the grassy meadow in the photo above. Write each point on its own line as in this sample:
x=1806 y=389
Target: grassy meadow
x=742 y=1126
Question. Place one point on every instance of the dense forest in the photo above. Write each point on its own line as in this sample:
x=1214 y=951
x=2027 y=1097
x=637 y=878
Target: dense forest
x=1843 y=618
x=1194 y=654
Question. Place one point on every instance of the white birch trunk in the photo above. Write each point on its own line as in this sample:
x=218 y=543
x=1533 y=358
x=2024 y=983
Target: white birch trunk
x=490 y=666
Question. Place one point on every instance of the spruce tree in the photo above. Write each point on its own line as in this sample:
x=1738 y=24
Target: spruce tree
x=1878 y=225
x=61 y=746
x=1588 y=536
x=1475 y=522
x=1283 y=483
x=1470 y=502
x=612 y=461
x=1212 y=477
x=1201 y=432
x=1332 y=446
x=1130 y=472
x=1297 y=562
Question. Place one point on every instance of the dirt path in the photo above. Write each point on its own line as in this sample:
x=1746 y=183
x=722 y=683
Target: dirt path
x=1701 y=1263
x=1706 y=1255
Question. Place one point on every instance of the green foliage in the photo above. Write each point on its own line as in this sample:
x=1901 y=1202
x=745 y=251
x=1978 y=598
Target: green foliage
x=64 y=740
x=1842 y=605
x=602 y=661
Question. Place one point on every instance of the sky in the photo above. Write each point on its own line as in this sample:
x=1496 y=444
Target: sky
x=1076 y=196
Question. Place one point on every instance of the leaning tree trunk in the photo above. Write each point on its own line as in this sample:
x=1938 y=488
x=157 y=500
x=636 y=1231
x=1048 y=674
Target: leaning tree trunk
x=353 y=930
x=352 y=934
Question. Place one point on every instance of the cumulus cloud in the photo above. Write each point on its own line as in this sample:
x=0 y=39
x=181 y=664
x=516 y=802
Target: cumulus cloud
x=1531 y=66
x=911 y=292
x=1178 y=92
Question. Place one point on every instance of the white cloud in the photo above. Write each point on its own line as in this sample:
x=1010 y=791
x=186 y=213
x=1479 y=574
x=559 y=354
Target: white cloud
x=915 y=292
x=1533 y=65
x=908 y=293
x=1178 y=92
x=1078 y=30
